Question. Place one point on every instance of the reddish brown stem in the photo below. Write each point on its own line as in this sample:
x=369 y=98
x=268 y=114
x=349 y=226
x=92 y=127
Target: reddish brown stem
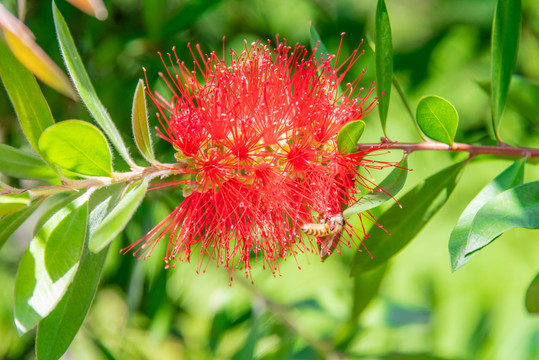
x=473 y=150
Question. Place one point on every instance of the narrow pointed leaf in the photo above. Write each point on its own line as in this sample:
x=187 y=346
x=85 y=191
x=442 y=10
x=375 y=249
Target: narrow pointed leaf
x=85 y=88
x=12 y=203
x=349 y=136
x=388 y=188
x=34 y=116
x=516 y=207
x=316 y=42
x=383 y=60
x=139 y=120
x=56 y=332
x=505 y=35
x=418 y=206
x=21 y=164
x=117 y=218
x=437 y=118
x=460 y=236
x=94 y=8
x=532 y=296
x=36 y=292
x=10 y=223
x=21 y=42
x=77 y=146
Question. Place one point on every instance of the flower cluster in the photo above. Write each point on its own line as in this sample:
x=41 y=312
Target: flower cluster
x=258 y=133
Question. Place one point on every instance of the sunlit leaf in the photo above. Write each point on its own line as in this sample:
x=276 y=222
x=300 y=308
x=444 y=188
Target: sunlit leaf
x=532 y=296
x=349 y=136
x=458 y=242
x=56 y=332
x=139 y=121
x=94 y=8
x=437 y=118
x=384 y=60
x=10 y=223
x=12 y=203
x=117 y=218
x=34 y=116
x=42 y=279
x=21 y=42
x=505 y=35
x=85 y=88
x=418 y=206
x=77 y=146
x=516 y=207
x=387 y=189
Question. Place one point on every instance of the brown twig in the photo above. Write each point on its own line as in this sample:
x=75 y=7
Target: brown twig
x=473 y=150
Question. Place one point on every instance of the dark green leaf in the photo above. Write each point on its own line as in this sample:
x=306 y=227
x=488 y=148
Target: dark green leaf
x=117 y=218
x=532 y=296
x=418 y=206
x=516 y=207
x=36 y=293
x=505 y=35
x=21 y=85
x=139 y=120
x=188 y=15
x=84 y=85
x=349 y=136
x=383 y=60
x=458 y=242
x=10 y=223
x=316 y=42
x=437 y=118
x=77 y=146
x=12 y=203
x=21 y=164
x=57 y=330
x=386 y=190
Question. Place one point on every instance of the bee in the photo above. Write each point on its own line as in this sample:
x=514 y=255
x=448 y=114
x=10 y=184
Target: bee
x=326 y=229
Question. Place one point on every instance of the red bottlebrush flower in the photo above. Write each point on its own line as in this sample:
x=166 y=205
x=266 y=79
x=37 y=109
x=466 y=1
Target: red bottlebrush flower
x=259 y=135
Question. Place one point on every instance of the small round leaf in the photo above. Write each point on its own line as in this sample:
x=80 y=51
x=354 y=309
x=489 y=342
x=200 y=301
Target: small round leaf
x=77 y=146
x=349 y=135
x=437 y=118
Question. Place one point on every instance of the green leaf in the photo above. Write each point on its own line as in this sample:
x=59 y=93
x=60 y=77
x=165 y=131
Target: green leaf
x=21 y=164
x=140 y=124
x=77 y=146
x=36 y=292
x=12 y=203
x=383 y=60
x=386 y=190
x=437 y=118
x=316 y=42
x=532 y=296
x=57 y=330
x=34 y=116
x=505 y=35
x=10 y=223
x=84 y=85
x=349 y=136
x=418 y=206
x=516 y=207
x=458 y=242
x=117 y=218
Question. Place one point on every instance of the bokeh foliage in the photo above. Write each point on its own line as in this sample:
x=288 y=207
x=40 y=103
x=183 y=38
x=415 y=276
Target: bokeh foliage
x=418 y=306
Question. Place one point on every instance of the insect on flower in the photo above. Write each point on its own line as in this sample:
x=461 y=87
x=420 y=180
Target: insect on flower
x=327 y=229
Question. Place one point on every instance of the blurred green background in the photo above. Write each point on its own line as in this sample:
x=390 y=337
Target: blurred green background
x=421 y=311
